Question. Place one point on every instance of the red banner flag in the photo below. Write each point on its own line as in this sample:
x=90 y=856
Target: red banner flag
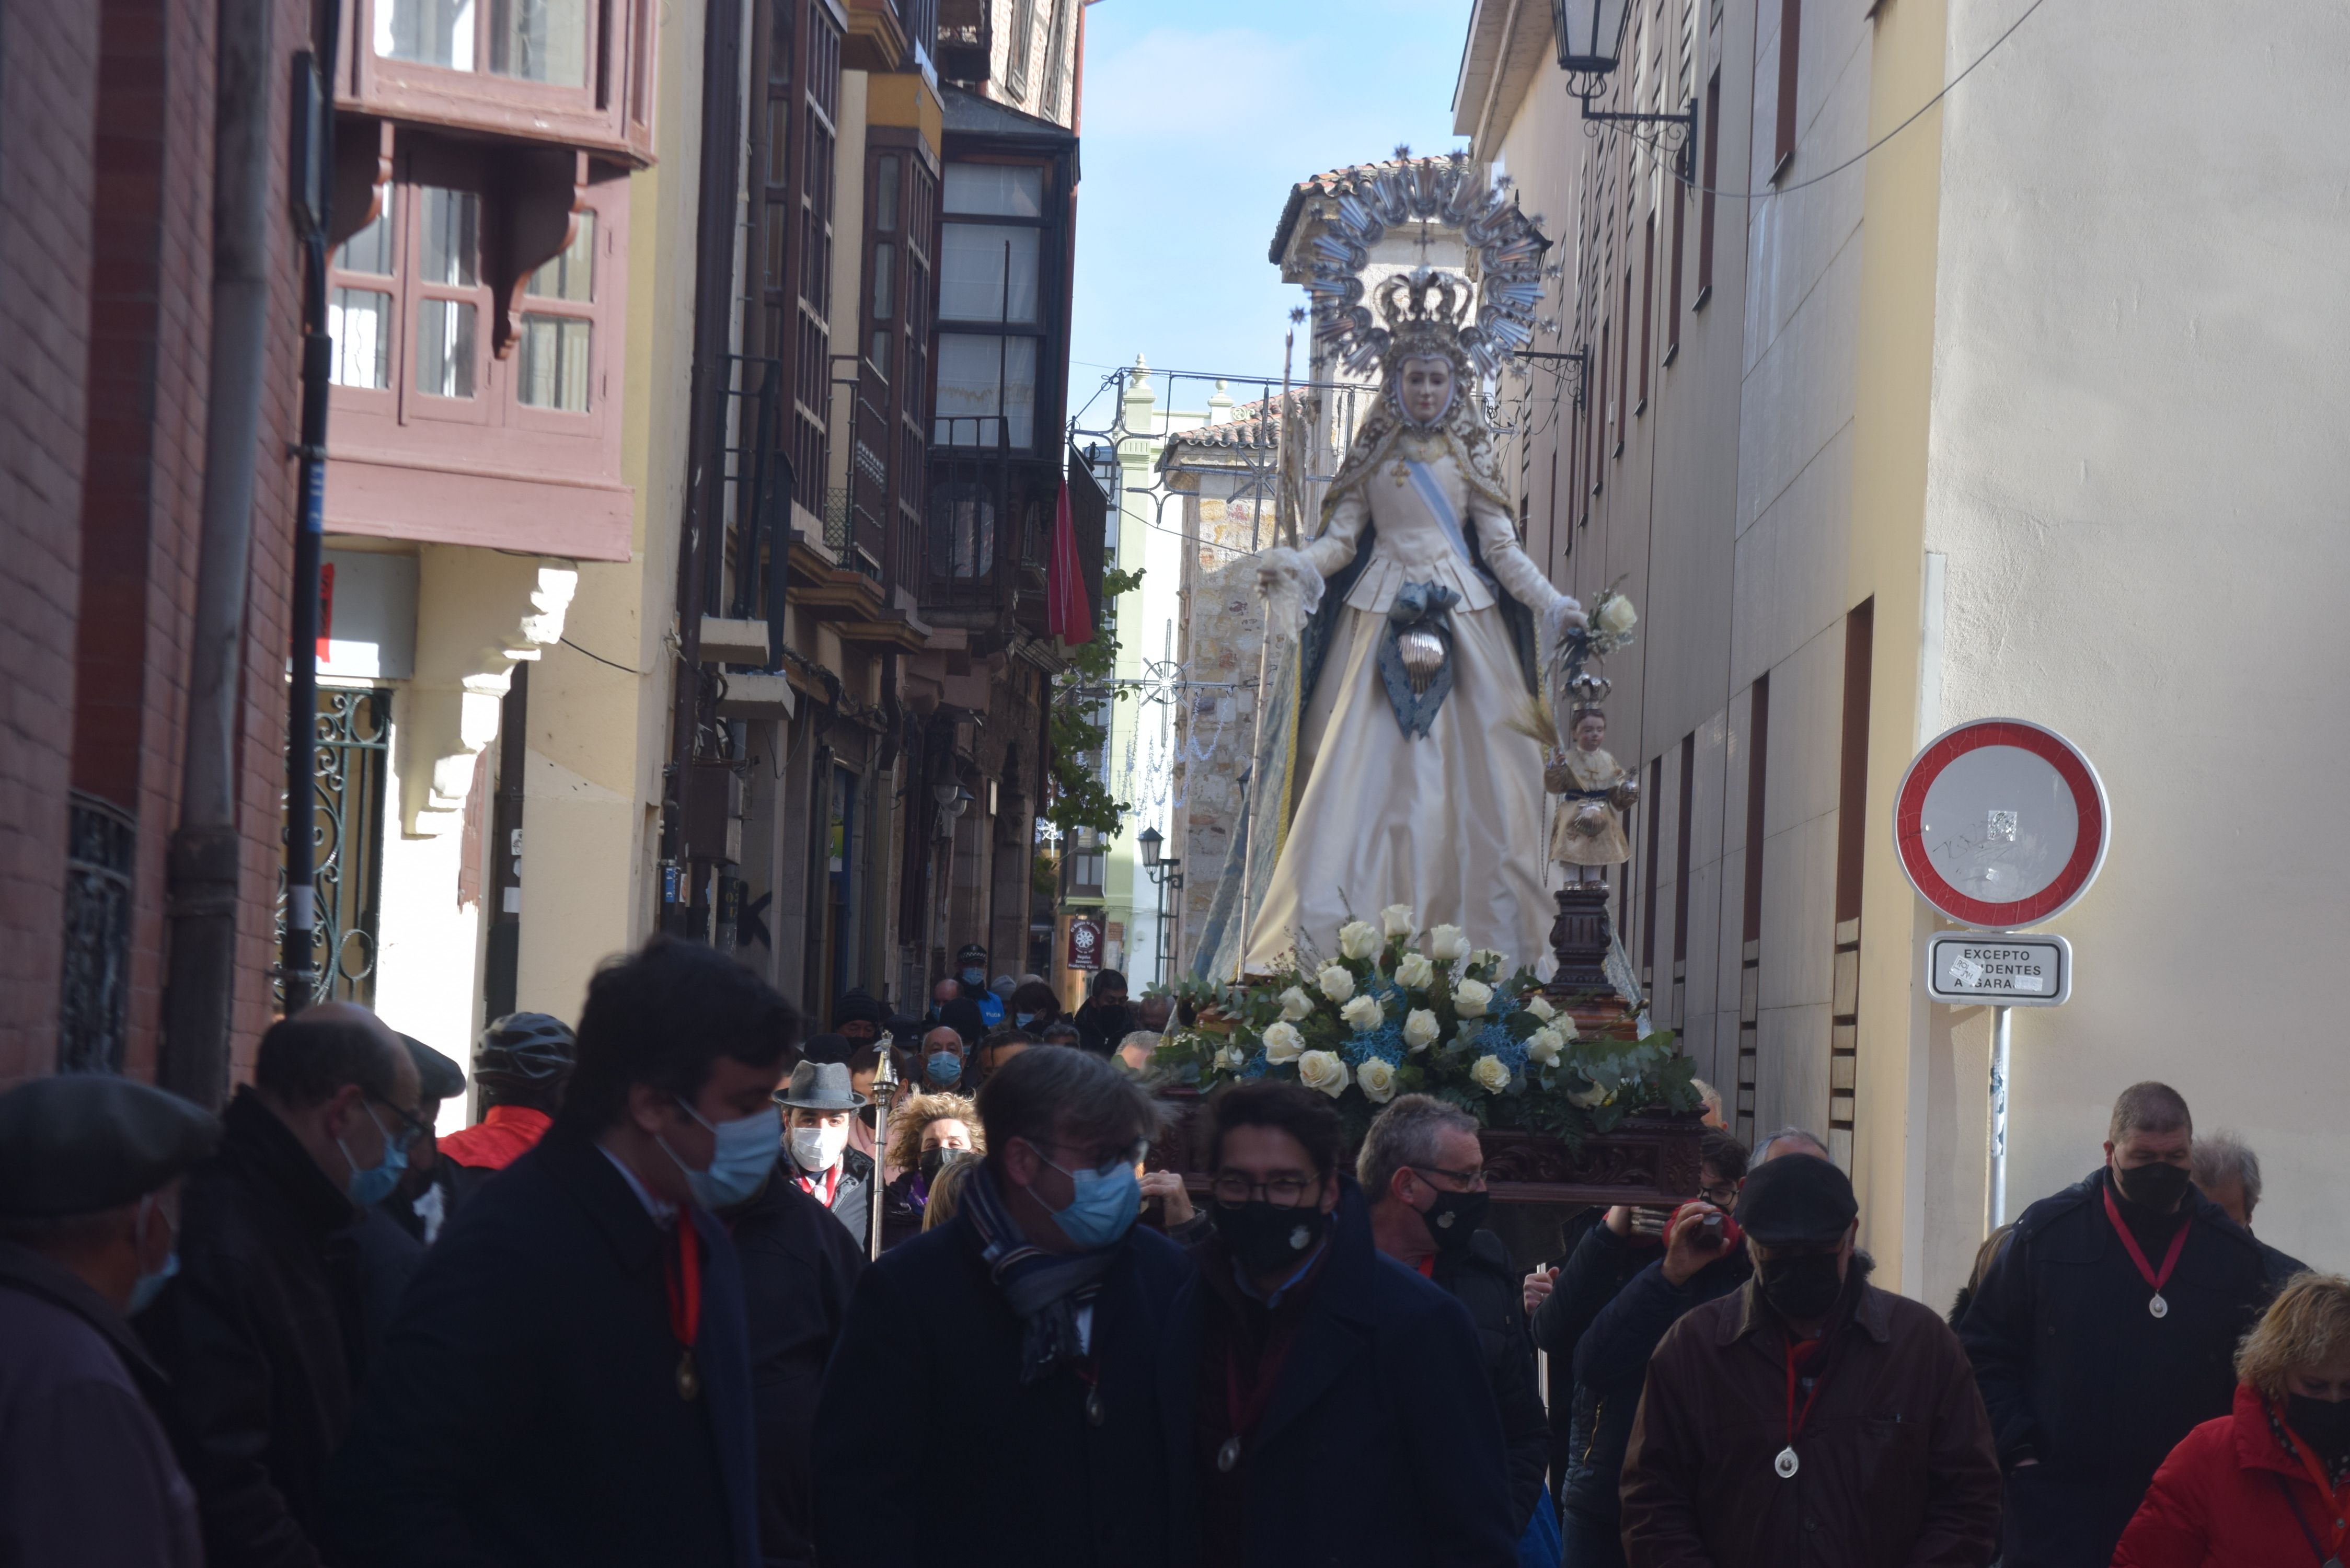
x=1068 y=614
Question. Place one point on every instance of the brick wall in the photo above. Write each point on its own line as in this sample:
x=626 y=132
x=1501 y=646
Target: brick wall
x=48 y=83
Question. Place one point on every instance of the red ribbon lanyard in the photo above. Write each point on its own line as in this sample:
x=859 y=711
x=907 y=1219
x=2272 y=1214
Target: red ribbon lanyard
x=831 y=1185
x=2325 y=1490
x=684 y=1280
x=2137 y=1256
x=1796 y=1418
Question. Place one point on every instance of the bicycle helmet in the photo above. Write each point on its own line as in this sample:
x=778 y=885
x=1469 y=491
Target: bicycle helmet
x=529 y=1053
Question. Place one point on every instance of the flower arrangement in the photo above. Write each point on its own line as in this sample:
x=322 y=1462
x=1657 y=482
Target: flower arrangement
x=1397 y=1011
x=1610 y=623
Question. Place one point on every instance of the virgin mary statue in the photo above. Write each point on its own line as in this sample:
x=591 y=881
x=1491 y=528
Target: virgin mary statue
x=1398 y=742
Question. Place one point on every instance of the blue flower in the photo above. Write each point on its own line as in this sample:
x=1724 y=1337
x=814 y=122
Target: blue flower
x=1495 y=1040
x=1256 y=1066
x=1385 y=1042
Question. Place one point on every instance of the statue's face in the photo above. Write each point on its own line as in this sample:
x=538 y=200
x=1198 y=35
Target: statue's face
x=1591 y=733
x=1426 y=387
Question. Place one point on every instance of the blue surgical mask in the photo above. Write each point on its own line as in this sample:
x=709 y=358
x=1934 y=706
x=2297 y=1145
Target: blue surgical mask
x=942 y=1068
x=1023 y=1019
x=146 y=1287
x=371 y=1187
x=1103 y=1205
x=746 y=1152
x=974 y=977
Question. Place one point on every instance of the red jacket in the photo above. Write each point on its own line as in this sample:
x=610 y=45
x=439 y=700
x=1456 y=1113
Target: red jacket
x=500 y=1138
x=2215 y=1502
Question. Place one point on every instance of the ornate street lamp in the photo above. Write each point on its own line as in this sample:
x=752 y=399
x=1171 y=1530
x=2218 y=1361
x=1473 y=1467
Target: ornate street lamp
x=1590 y=37
x=1167 y=876
x=1151 y=842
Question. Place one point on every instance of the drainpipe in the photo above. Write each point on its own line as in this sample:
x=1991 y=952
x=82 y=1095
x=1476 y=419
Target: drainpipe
x=203 y=873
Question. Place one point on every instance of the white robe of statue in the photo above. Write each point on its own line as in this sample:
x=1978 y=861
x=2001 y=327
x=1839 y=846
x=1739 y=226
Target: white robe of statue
x=1451 y=822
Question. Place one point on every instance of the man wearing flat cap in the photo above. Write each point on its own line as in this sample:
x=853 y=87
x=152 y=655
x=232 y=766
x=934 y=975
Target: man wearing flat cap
x=90 y=1198
x=1810 y=1417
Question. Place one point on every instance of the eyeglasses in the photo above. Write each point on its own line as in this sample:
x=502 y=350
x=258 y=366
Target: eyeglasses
x=1093 y=1157
x=1722 y=1197
x=1471 y=1180
x=1285 y=1192
x=411 y=1126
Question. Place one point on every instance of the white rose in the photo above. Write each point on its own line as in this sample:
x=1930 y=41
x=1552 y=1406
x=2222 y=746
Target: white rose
x=1378 y=1080
x=1322 y=1070
x=1231 y=1059
x=1283 y=1042
x=1396 y=921
x=1498 y=962
x=1543 y=1046
x=1414 y=973
x=1586 y=1098
x=1446 y=943
x=1617 y=616
x=1491 y=1076
x=1295 y=1004
x=1364 y=1013
x=1357 y=939
x=1469 y=998
x=1419 y=1029
x=1535 y=1003
x=1337 y=983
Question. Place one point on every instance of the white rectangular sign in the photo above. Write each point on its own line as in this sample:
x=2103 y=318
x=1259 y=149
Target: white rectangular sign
x=1970 y=968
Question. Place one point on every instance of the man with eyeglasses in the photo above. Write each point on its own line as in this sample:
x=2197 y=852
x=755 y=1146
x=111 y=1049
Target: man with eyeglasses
x=1029 y=1328
x=1424 y=1172
x=1334 y=1405
x=261 y=1333
x=568 y=1381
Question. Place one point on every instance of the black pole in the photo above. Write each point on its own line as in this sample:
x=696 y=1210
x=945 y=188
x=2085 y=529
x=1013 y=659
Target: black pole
x=312 y=187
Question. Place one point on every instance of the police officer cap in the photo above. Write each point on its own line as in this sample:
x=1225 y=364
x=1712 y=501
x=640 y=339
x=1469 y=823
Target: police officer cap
x=1796 y=1199
x=82 y=1142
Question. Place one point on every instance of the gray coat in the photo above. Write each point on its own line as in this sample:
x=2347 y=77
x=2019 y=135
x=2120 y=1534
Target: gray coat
x=86 y=1475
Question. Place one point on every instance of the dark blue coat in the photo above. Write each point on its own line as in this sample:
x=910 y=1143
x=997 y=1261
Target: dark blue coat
x=2078 y=1376
x=526 y=1409
x=1381 y=1446
x=926 y=1382
x=1611 y=1368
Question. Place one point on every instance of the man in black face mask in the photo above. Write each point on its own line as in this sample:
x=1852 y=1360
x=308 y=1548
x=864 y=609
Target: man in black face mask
x=1424 y=1172
x=2104 y=1333
x=1810 y=1417
x=1333 y=1406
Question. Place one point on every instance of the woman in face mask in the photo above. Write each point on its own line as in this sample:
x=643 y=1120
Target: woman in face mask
x=931 y=1132
x=1033 y=1007
x=2269 y=1482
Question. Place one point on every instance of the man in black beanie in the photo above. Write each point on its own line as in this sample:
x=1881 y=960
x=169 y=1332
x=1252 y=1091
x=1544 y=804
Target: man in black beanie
x=1811 y=1412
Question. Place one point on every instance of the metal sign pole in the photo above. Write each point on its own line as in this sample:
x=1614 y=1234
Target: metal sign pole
x=2000 y=1038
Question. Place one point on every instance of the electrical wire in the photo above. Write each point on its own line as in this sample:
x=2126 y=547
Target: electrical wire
x=1765 y=195
x=623 y=669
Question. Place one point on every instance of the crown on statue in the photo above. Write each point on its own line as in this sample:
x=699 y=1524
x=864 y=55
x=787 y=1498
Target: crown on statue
x=1422 y=310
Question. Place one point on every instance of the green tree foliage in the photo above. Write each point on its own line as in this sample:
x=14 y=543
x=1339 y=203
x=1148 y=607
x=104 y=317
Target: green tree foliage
x=1080 y=797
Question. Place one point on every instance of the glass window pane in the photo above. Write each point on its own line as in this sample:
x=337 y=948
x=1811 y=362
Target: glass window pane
x=430 y=32
x=369 y=251
x=975 y=283
x=885 y=266
x=540 y=40
x=358 y=320
x=779 y=139
x=779 y=236
x=971 y=390
x=995 y=189
x=1020 y=390
x=879 y=352
x=452 y=238
x=553 y=372
x=444 y=347
x=572 y=274
x=885 y=197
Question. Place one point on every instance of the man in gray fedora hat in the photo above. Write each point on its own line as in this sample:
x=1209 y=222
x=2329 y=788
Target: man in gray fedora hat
x=90 y=1168
x=817 y=1105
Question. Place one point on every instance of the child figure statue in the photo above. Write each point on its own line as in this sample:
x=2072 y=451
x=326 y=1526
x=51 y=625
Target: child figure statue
x=1588 y=835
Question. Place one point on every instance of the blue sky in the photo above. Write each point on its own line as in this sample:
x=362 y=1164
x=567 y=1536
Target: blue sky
x=1199 y=116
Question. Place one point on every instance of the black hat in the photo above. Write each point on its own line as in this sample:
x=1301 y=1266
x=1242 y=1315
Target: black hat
x=903 y=1027
x=971 y=951
x=437 y=1078
x=826 y=1048
x=1796 y=1199
x=83 y=1142
x=856 y=1005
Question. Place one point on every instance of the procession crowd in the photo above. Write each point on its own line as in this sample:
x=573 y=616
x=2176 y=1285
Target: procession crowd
x=697 y=1290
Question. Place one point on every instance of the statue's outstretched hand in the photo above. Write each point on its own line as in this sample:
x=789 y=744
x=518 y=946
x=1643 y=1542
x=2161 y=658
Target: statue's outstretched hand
x=1293 y=589
x=1564 y=612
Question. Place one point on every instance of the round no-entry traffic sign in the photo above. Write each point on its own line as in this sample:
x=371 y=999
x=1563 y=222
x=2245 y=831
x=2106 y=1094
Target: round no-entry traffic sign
x=2000 y=823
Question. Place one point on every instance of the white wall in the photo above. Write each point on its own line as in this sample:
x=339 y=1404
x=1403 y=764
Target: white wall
x=2136 y=471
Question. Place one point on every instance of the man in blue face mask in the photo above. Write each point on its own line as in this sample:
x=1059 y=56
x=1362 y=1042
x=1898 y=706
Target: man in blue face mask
x=1040 y=1303
x=89 y=1199
x=262 y=1331
x=571 y=1367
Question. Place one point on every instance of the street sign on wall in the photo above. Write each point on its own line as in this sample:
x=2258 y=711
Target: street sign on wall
x=1998 y=969
x=1084 y=943
x=2000 y=824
